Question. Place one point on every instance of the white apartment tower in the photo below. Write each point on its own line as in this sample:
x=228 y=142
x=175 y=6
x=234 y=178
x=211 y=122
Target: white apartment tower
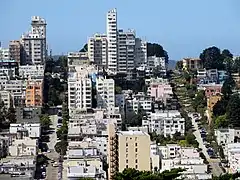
x=79 y=93
x=140 y=52
x=126 y=51
x=34 y=42
x=105 y=93
x=112 y=39
x=97 y=49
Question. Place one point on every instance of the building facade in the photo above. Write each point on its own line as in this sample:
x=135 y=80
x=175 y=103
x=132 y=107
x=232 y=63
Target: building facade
x=112 y=40
x=126 y=51
x=140 y=52
x=34 y=93
x=34 y=42
x=98 y=49
x=15 y=50
x=105 y=93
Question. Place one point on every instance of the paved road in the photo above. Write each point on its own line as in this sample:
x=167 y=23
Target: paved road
x=52 y=172
x=214 y=163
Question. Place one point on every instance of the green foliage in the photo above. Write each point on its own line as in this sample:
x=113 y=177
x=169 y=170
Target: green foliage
x=233 y=110
x=118 y=90
x=227 y=87
x=220 y=107
x=11 y=114
x=227 y=177
x=200 y=101
x=61 y=147
x=227 y=54
x=188 y=121
x=221 y=121
x=191 y=140
x=154 y=49
x=42 y=159
x=236 y=65
x=179 y=65
x=187 y=76
x=45 y=121
x=221 y=152
x=135 y=119
x=212 y=58
x=133 y=174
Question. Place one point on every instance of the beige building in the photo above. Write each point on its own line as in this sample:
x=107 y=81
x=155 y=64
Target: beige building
x=191 y=63
x=128 y=149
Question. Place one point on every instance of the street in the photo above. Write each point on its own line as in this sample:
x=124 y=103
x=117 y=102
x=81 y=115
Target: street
x=52 y=172
x=214 y=163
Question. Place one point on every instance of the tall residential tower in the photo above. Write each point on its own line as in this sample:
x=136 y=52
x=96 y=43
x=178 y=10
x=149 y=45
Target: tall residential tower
x=112 y=40
x=34 y=42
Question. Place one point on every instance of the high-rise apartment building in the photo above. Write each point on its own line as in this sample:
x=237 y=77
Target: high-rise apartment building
x=105 y=93
x=112 y=40
x=34 y=42
x=15 y=51
x=128 y=149
x=126 y=51
x=79 y=93
x=140 y=52
x=98 y=49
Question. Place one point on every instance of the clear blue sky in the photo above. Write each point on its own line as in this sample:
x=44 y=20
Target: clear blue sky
x=183 y=27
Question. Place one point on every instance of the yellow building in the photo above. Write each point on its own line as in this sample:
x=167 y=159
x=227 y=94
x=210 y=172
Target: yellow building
x=34 y=93
x=128 y=149
x=191 y=63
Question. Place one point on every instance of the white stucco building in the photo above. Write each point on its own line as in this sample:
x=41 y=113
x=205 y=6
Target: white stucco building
x=105 y=93
x=33 y=129
x=112 y=40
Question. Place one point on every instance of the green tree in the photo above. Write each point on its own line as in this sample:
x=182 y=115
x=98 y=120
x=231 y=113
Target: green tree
x=227 y=177
x=233 y=111
x=212 y=58
x=11 y=114
x=179 y=65
x=45 y=121
x=133 y=174
x=221 y=121
x=154 y=49
x=220 y=107
x=229 y=65
x=118 y=90
x=191 y=139
x=61 y=147
x=236 y=65
x=200 y=100
x=227 y=54
x=227 y=87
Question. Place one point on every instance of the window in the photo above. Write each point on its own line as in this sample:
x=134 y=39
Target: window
x=135 y=144
x=136 y=155
x=136 y=150
x=126 y=155
x=126 y=160
x=135 y=138
x=126 y=149
x=136 y=166
x=126 y=166
x=127 y=144
x=136 y=161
